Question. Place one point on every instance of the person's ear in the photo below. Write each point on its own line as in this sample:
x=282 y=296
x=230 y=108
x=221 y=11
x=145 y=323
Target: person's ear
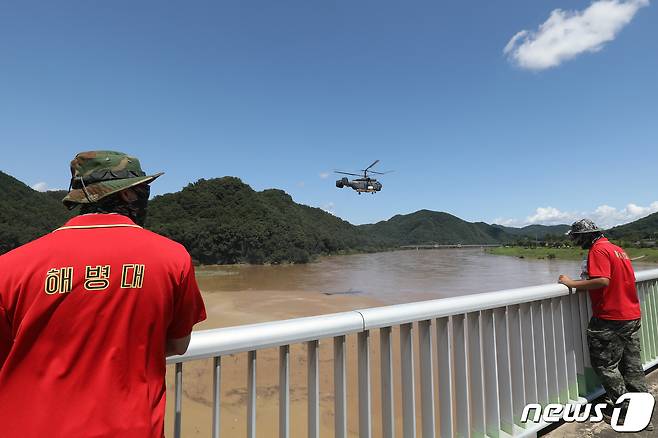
x=128 y=195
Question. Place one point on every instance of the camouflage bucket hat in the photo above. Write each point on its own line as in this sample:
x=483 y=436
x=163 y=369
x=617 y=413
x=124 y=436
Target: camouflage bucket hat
x=583 y=226
x=97 y=174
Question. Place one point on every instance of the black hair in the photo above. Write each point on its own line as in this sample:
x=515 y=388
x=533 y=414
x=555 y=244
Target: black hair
x=114 y=203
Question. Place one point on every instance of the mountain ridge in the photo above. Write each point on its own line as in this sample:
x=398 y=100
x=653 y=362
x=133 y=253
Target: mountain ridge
x=535 y=231
x=224 y=220
x=644 y=228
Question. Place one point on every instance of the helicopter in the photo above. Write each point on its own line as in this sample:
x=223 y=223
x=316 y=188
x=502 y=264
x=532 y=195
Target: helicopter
x=363 y=184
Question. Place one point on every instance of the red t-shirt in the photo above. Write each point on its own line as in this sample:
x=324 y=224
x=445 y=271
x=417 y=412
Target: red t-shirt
x=619 y=300
x=85 y=313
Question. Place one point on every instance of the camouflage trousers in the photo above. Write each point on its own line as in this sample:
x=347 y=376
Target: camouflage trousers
x=614 y=349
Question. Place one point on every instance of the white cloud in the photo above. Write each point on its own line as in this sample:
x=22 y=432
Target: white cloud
x=604 y=215
x=609 y=216
x=40 y=186
x=301 y=184
x=324 y=175
x=549 y=215
x=543 y=216
x=567 y=34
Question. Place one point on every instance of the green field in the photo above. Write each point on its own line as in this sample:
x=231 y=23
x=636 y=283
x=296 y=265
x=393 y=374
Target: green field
x=650 y=254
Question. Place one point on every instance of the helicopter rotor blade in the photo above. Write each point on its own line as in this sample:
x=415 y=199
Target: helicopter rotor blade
x=347 y=173
x=367 y=168
x=381 y=173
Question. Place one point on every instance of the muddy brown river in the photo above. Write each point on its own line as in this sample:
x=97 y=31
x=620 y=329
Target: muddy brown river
x=236 y=295
x=393 y=277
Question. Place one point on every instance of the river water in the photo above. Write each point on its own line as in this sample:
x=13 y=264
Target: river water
x=236 y=295
x=393 y=277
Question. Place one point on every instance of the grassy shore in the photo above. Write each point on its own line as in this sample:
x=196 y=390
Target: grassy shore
x=650 y=254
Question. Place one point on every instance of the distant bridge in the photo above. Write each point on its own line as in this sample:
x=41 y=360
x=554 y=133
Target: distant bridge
x=455 y=245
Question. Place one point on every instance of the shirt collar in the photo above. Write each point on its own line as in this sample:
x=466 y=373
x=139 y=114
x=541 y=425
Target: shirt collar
x=99 y=220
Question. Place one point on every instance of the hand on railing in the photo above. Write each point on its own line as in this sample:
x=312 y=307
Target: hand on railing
x=566 y=280
x=592 y=283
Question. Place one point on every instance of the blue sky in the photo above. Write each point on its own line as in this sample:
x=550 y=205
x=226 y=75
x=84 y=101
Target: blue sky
x=477 y=117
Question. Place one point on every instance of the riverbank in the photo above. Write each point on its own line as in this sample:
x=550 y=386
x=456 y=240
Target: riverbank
x=648 y=255
x=314 y=258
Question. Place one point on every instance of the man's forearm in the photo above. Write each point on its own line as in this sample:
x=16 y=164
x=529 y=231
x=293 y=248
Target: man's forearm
x=584 y=285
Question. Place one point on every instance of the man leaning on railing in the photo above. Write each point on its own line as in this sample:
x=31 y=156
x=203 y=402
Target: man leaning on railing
x=89 y=312
x=613 y=333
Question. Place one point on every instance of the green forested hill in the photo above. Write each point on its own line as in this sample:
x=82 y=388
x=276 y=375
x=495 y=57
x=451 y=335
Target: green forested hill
x=536 y=231
x=56 y=195
x=432 y=227
x=223 y=220
x=26 y=214
x=645 y=228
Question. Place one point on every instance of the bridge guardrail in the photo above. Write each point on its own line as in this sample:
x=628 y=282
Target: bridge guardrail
x=493 y=353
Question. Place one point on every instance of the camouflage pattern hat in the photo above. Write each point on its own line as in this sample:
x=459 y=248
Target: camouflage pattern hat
x=583 y=226
x=97 y=174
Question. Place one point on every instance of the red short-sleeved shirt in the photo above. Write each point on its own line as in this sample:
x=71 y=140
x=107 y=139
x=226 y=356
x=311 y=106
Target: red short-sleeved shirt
x=85 y=313
x=619 y=300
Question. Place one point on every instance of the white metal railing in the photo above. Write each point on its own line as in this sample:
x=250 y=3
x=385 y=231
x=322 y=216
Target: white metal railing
x=493 y=353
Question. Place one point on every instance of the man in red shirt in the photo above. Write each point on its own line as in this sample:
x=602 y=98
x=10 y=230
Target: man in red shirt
x=89 y=312
x=613 y=334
